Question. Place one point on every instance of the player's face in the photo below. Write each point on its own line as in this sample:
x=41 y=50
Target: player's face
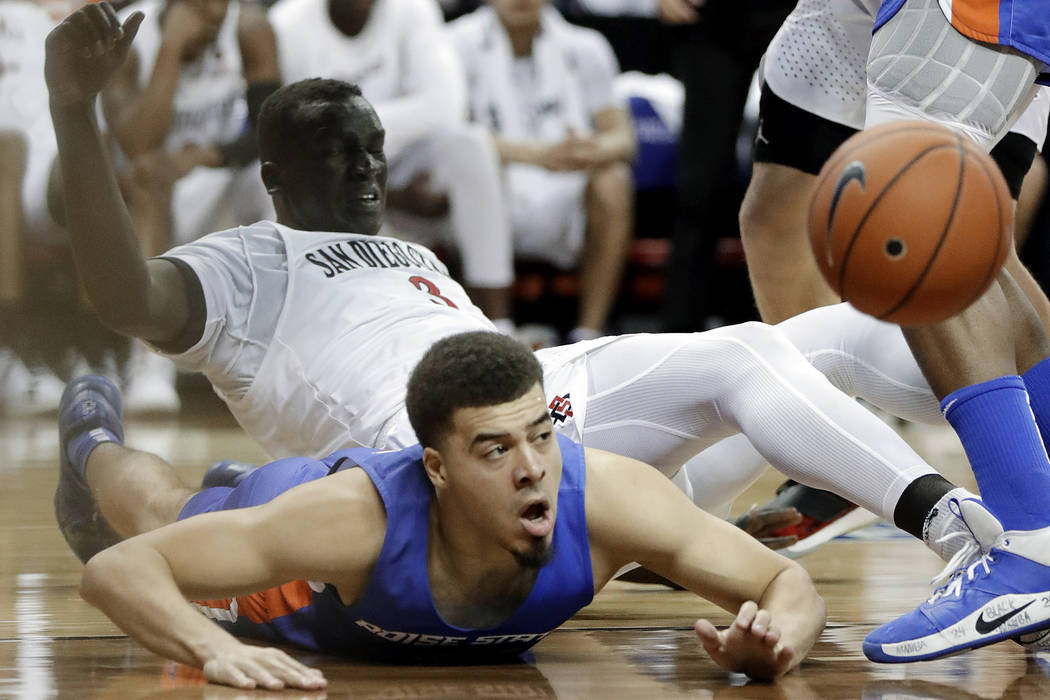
x=518 y=13
x=504 y=468
x=337 y=179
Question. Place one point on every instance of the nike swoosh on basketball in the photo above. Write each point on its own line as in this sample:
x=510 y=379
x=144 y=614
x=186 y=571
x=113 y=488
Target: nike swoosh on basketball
x=853 y=171
x=985 y=626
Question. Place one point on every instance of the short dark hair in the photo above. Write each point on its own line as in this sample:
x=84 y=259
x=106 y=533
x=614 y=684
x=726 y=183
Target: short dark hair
x=280 y=118
x=467 y=370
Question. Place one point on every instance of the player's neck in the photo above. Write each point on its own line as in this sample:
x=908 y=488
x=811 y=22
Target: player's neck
x=349 y=22
x=521 y=39
x=474 y=581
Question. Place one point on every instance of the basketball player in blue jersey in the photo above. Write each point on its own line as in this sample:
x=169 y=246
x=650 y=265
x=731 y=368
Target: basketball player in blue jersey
x=470 y=547
x=987 y=364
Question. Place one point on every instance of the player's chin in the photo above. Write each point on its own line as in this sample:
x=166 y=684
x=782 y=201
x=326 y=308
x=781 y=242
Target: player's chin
x=536 y=553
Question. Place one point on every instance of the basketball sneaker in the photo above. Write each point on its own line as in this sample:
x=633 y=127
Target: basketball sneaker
x=825 y=516
x=228 y=472
x=1004 y=594
x=88 y=403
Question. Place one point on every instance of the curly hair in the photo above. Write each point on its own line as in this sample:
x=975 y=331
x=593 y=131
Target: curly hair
x=467 y=370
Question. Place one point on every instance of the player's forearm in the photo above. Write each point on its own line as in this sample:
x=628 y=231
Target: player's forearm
x=527 y=152
x=615 y=145
x=105 y=248
x=145 y=123
x=796 y=608
x=134 y=587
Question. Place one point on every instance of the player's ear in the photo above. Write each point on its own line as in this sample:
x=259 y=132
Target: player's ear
x=435 y=467
x=271 y=176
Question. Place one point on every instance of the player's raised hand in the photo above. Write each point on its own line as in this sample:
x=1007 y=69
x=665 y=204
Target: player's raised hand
x=750 y=645
x=84 y=51
x=246 y=666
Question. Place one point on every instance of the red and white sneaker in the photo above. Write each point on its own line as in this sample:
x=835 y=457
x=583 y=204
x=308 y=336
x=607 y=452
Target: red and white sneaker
x=825 y=516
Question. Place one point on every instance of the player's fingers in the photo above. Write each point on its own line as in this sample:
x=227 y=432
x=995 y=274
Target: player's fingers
x=772 y=636
x=707 y=633
x=746 y=616
x=761 y=623
x=99 y=23
x=260 y=674
x=779 y=542
x=785 y=656
x=130 y=28
x=227 y=674
x=295 y=674
x=780 y=517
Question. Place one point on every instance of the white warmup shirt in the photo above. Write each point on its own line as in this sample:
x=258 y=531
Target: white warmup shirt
x=310 y=337
x=402 y=61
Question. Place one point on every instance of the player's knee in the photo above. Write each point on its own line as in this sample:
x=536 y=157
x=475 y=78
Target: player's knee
x=765 y=344
x=466 y=147
x=609 y=187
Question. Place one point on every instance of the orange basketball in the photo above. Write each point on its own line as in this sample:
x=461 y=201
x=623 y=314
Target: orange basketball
x=910 y=222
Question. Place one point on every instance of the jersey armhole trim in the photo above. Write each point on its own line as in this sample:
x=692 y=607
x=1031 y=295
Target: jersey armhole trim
x=193 y=331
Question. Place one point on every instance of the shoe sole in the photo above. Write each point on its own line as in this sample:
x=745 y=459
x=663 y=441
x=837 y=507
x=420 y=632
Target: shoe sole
x=1038 y=618
x=853 y=520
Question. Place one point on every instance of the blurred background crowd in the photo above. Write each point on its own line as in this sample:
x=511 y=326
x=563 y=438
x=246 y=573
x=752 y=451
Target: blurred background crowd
x=581 y=180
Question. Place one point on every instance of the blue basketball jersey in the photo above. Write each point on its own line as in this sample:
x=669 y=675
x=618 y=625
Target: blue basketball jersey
x=395 y=618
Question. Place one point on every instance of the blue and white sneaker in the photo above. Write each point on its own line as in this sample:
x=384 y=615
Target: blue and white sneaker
x=964 y=532
x=88 y=403
x=1004 y=594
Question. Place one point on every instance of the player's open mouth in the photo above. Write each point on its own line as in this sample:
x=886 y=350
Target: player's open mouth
x=537 y=518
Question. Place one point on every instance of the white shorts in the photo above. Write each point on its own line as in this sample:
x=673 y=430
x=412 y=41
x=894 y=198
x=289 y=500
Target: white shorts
x=547 y=217
x=920 y=67
x=818 y=62
x=215 y=199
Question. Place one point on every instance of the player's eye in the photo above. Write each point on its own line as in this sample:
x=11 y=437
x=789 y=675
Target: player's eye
x=496 y=451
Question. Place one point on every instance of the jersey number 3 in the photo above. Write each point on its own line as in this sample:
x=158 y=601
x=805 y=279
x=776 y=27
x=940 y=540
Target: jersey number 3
x=425 y=285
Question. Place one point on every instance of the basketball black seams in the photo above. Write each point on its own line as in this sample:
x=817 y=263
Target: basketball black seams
x=843 y=266
x=944 y=232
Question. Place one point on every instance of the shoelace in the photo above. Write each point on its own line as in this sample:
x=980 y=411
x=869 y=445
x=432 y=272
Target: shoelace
x=954 y=586
x=959 y=559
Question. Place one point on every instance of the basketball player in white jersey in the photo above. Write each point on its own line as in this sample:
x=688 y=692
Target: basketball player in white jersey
x=544 y=89
x=397 y=52
x=308 y=327
x=27 y=152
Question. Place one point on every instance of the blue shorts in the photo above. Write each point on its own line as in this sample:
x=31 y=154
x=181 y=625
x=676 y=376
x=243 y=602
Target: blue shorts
x=263 y=485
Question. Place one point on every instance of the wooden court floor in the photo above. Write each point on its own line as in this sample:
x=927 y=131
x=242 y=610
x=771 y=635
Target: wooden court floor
x=634 y=640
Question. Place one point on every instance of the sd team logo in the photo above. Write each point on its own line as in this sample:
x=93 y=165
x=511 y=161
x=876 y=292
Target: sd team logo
x=560 y=408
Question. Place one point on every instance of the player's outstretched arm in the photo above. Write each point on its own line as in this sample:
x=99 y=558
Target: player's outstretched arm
x=636 y=514
x=147 y=300
x=142 y=584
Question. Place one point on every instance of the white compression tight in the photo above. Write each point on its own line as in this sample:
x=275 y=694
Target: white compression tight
x=664 y=398
x=861 y=356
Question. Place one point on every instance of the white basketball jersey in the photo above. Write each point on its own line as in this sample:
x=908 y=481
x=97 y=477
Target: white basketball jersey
x=210 y=105
x=23 y=93
x=384 y=301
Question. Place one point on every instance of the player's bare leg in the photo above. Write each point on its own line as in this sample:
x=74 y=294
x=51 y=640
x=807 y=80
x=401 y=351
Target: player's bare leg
x=1033 y=192
x=13 y=154
x=773 y=230
x=610 y=224
x=136 y=491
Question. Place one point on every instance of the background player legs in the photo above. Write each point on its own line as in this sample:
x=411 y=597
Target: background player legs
x=774 y=232
x=13 y=154
x=135 y=491
x=608 y=201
